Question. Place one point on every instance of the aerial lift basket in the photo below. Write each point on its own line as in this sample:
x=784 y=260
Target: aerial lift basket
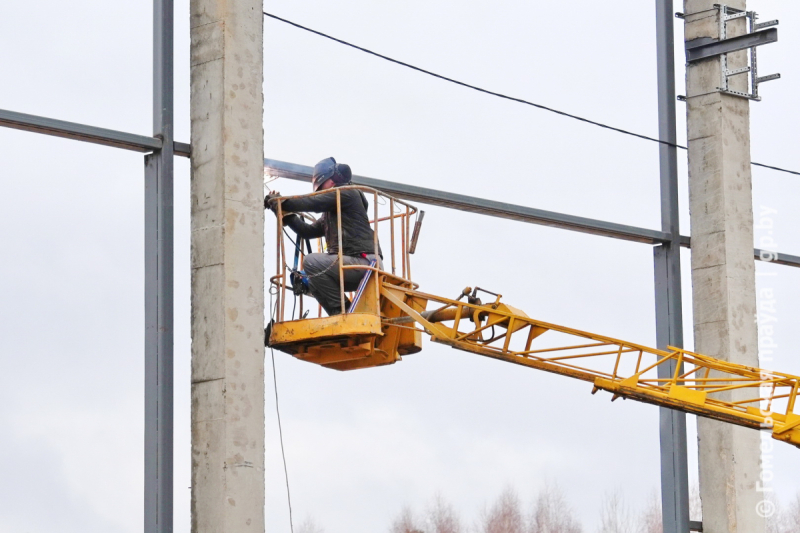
x=358 y=338
x=388 y=315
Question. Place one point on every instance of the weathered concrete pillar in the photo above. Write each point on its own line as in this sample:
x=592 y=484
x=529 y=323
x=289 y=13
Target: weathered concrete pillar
x=227 y=266
x=723 y=270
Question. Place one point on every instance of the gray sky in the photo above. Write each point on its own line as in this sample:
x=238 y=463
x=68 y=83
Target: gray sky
x=360 y=445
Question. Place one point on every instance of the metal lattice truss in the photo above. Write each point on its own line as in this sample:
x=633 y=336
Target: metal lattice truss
x=696 y=383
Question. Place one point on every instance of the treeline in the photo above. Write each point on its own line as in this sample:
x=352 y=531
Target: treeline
x=786 y=518
x=550 y=512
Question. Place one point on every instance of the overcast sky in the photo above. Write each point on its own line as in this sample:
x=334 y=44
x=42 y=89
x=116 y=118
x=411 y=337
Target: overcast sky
x=361 y=445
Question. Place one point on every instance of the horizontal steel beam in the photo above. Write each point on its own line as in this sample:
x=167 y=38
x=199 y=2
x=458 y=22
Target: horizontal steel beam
x=182 y=149
x=80 y=132
x=777 y=258
x=705 y=47
x=484 y=207
x=83 y=132
x=761 y=255
x=513 y=212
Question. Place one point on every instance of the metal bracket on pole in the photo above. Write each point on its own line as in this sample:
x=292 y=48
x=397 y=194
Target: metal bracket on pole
x=756 y=36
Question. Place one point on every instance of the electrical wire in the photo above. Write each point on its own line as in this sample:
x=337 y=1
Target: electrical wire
x=278 y=410
x=280 y=433
x=289 y=237
x=779 y=169
x=504 y=96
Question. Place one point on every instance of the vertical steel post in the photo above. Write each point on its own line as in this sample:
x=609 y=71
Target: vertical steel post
x=669 y=317
x=159 y=284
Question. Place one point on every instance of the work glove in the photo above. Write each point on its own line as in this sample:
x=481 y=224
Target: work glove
x=270 y=201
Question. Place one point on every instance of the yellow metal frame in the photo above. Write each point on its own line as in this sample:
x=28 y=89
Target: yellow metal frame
x=382 y=327
x=358 y=339
x=623 y=368
x=398 y=254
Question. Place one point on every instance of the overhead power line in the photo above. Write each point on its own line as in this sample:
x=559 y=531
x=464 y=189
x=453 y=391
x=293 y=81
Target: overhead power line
x=501 y=95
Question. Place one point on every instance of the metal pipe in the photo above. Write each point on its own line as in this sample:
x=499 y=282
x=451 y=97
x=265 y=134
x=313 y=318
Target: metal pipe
x=382 y=219
x=415 y=236
x=443 y=315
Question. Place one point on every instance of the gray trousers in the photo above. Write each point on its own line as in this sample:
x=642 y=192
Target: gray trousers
x=323 y=278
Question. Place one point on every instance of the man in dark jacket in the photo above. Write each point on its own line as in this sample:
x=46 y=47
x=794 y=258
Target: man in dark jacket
x=358 y=245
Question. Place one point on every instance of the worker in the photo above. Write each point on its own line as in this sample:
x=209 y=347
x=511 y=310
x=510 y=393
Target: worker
x=358 y=244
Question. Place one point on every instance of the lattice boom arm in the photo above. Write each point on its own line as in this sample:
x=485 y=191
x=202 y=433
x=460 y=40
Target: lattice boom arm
x=694 y=383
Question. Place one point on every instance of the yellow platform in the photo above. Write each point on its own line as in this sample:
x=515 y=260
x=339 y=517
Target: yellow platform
x=342 y=342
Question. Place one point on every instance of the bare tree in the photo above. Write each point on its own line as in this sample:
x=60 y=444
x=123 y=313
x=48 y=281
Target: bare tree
x=650 y=519
x=505 y=515
x=793 y=515
x=309 y=526
x=776 y=522
x=784 y=519
x=551 y=513
x=405 y=523
x=442 y=518
x=615 y=516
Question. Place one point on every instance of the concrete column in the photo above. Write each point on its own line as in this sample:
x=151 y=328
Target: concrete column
x=723 y=270
x=227 y=266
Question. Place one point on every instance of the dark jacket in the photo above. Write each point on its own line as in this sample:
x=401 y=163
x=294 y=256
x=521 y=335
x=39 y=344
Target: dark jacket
x=357 y=235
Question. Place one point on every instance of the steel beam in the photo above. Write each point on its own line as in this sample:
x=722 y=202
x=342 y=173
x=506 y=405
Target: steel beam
x=158 y=357
x=760 y=255
x=668 y=298
x=672 y=424
x=158 y=448
x=181 y=149
x=484 y=206
x=777 y=258
x=705 y=48
x=83 y=132
x=80 y=132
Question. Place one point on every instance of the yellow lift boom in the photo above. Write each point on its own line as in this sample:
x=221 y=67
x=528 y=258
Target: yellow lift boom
x=389 y=315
